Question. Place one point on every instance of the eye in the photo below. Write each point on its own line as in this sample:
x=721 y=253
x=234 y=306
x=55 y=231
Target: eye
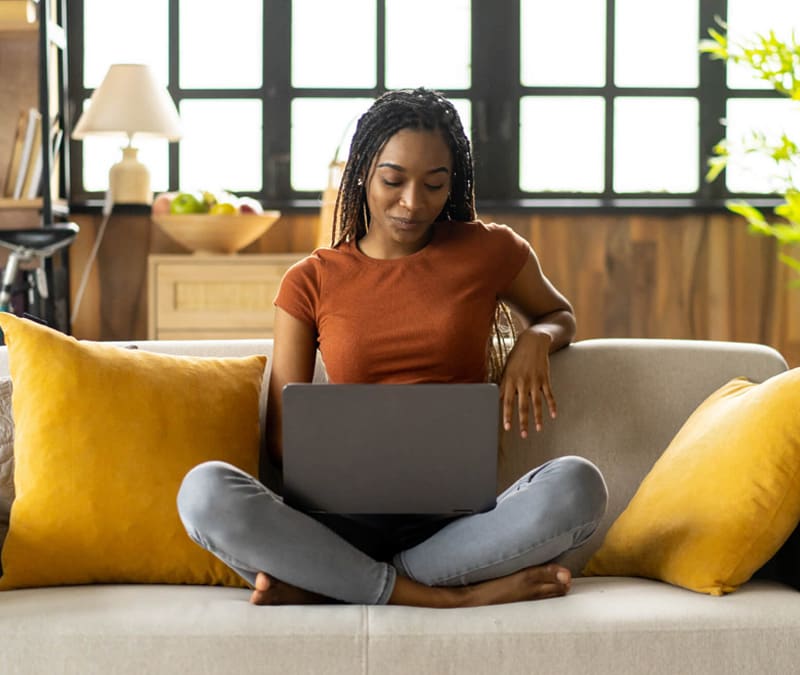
x=434 y=188
x=391 y=183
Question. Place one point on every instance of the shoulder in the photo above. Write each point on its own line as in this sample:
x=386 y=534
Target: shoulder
x=322 y=261
x=478 y=233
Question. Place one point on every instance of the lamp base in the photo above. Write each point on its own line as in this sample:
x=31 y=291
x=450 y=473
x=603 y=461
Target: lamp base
x=129 y=180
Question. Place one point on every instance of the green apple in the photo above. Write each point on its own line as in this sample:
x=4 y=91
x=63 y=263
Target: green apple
x=186 y=202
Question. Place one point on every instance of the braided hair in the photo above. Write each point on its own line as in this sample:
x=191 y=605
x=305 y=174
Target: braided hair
x=420 y=109
x=425 y=110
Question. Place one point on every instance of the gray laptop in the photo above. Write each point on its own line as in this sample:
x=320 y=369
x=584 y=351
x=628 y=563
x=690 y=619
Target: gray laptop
x=390 y=448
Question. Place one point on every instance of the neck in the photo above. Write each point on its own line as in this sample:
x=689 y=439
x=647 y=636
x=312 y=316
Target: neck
x=373 y=246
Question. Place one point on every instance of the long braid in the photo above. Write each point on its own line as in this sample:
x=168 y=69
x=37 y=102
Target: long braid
x=427 y=110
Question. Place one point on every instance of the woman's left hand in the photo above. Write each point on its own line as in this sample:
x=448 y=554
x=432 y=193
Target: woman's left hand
x=526 y=380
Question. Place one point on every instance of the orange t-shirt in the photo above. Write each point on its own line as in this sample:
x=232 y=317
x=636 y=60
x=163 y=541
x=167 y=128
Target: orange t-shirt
x=425 y=317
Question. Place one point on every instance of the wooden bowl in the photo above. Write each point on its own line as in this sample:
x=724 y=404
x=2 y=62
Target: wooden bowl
x=204 y=233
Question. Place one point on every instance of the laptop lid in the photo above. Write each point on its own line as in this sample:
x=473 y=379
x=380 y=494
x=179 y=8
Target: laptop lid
x=390 y=448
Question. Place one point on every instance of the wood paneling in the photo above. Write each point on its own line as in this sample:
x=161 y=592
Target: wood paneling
x=688 y=276
x=627 y=274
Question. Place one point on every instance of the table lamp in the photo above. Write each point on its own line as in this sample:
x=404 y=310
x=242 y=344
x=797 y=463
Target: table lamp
x=130 y=101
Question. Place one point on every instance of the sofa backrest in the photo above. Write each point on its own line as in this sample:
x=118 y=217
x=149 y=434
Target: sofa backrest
x=621 y=401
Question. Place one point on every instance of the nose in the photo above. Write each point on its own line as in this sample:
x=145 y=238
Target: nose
x=412 y=196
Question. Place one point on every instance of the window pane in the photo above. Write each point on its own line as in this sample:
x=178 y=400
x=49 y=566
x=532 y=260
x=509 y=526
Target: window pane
x=319 y=127
x=770 y=117
x=143 y=40
x=334 y=43
x=656 y=144
x=221 y=146
x=662 y=55
x=561 y=144
x=434 y=52
x=221 y=44
x=545 y=27
x=314 y=144
x=746 y=18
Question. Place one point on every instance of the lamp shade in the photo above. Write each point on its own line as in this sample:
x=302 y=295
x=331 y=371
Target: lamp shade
x=130 y=100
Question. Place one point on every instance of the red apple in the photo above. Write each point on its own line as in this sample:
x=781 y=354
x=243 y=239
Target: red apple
x=162 y=202
x=249 y=205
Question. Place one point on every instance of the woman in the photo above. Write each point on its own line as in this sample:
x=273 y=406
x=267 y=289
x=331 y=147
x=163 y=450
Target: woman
x=408 y=292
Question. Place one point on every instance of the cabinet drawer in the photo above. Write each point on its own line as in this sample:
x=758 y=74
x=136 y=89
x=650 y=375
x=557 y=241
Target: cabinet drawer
x=213 y=296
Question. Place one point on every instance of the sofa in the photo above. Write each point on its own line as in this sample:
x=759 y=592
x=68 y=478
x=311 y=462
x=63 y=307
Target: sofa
x=621 y=401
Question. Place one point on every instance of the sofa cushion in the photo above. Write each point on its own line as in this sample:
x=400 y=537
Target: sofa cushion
x=722 y=498
x=6 y=456
x=604 y=626
x=104 y=437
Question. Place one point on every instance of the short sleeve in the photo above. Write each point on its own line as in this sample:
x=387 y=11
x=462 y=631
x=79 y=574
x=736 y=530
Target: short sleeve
x=509 y=250
x=299 y=291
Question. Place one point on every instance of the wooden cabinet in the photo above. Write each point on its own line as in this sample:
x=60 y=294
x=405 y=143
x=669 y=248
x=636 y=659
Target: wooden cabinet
x=213 y=296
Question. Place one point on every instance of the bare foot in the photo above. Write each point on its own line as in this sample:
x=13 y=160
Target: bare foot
x=270 y=591
x=532 y=583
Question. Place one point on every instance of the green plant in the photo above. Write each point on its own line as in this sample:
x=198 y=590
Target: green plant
x=777 y=62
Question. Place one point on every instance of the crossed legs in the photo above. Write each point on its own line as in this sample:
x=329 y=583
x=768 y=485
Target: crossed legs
x=497 y=556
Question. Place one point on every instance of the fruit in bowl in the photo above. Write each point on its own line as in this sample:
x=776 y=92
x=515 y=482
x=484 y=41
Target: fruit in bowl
x=186 y=202
x=211 y=222
x=222 y=208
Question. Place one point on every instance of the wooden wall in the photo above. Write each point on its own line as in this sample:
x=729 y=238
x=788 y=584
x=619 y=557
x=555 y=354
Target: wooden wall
x=628 y=275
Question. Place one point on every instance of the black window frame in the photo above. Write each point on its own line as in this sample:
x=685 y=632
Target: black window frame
x=495 y=95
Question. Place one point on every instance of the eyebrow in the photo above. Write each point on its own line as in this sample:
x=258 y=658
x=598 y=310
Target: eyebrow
x=397 y=167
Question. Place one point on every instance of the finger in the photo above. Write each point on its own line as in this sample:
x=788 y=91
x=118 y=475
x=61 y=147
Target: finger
x=551 y=400
x=508 y=406
x=537 y=408
x=523 y=404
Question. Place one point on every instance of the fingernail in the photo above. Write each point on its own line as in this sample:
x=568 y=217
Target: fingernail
x=562 y=576
x=506 y=426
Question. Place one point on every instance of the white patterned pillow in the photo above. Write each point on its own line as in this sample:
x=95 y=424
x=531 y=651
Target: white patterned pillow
x=6 y=456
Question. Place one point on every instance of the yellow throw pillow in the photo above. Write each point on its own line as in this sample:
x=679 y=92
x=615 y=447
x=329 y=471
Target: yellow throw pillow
x=723 y=497
x=104 y=436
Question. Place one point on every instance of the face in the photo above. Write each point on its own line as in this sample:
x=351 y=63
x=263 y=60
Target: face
x=407 y=189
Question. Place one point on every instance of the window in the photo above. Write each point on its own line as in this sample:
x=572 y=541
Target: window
x=593 y=101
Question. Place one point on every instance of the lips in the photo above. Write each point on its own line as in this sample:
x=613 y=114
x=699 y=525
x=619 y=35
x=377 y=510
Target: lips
x=406 y=224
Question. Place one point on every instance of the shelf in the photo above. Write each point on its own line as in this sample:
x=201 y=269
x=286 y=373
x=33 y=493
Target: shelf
x=6 y=204
x=10 y=27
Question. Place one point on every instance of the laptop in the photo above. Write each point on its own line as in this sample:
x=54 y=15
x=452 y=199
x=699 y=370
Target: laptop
x=390 y=448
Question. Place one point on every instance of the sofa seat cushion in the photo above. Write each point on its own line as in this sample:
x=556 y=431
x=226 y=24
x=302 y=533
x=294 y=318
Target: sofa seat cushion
x=619 y=625
x=154 y=629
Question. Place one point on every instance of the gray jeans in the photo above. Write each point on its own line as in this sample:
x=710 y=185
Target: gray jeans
x=550 y=510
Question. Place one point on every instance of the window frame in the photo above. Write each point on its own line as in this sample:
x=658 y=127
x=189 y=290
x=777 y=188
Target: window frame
x=495 y=95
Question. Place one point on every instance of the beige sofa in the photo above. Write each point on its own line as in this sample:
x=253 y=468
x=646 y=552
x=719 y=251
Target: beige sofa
x=620 y=403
